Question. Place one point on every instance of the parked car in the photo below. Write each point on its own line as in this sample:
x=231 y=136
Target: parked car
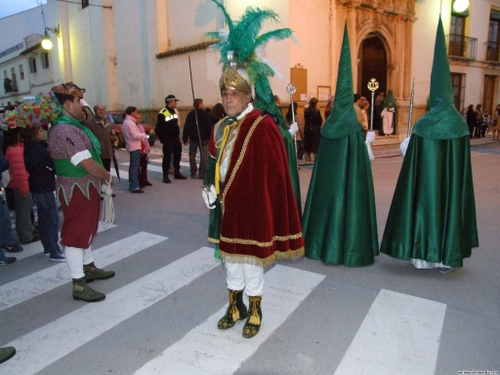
x=116 y=120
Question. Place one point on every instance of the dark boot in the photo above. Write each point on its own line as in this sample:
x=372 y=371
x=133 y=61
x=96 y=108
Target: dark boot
x=235 y=311
x=7 y=353
x=179 y=176
x=83 y=292
x=252 y=325
x=93 y=273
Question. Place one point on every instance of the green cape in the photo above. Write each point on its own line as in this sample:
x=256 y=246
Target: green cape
x=339 y=222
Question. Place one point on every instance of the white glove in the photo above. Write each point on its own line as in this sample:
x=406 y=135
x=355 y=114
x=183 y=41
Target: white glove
x=370 y=137
x=106 y=190
x=209 y=196
x=404 y=146
x=369 y=149
x=294 y=128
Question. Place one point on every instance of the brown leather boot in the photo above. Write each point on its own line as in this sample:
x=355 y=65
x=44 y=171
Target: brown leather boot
x=235 y=311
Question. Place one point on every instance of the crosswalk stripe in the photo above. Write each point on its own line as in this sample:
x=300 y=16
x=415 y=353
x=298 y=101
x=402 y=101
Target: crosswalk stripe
x=45 y=345
x=52 y=277
x=399 y=335
x=37 y=247
x=207 y=350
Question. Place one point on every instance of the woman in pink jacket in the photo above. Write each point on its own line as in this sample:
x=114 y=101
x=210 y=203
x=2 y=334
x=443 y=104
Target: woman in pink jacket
x=133 y=140
x=19 y=183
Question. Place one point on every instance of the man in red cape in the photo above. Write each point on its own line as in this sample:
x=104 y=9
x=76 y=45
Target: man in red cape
x=254 y=218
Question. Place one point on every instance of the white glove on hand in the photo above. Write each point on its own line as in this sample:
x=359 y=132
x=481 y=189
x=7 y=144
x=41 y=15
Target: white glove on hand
x=209 y=196
x=404 y=146
x=370 y=136
x=294 y=128
x=106 y=190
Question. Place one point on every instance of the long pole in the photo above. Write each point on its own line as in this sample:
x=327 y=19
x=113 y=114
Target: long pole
x=412 y=94
x=290 y=89
x=196 y=112
x=372 y=86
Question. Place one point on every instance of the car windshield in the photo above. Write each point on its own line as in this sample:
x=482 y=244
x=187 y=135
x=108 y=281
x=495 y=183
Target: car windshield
x=115 y=118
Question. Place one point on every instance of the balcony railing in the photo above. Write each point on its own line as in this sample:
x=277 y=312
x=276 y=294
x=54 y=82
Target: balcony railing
x=492 y=51
x=461 y=46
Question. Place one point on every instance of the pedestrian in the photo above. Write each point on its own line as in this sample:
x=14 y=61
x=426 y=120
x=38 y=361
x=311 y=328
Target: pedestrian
x=329 y=106
x=312 y=128
x=494 y=123
x=19 y=184
x=216 y=114
x=133 y=140
x=199 y=122
x=6 y=235
x=432 y=219
x=388 y=113
x=143 y=163
x=339 y=221
x=379 y=107
x=42 y=184
x=479 y=120
x=486 y=123
x=101 y=127
x=80 y=174
x=471 y=120
x=167 y=130
x=358 y=101
x=248 y=180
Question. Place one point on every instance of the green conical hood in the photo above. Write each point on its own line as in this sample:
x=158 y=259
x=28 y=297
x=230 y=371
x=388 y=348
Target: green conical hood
x=443 y=120
x=343 y=119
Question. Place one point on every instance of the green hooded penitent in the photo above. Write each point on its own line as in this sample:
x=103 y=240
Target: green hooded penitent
x=433 y=211
x=339 y=222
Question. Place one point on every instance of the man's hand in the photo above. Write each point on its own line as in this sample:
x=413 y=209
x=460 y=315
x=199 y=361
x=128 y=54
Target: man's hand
x=294 y=128
x=209 y=196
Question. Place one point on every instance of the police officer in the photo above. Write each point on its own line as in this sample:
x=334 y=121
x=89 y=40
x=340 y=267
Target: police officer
x=167 y=130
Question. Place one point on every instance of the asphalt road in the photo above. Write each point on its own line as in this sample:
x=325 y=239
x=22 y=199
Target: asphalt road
x=161 y=309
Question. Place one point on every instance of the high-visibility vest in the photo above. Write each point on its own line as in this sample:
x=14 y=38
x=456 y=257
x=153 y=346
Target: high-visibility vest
x=170 y=116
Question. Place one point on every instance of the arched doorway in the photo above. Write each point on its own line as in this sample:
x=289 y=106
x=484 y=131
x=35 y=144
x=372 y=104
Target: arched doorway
x=373 y=64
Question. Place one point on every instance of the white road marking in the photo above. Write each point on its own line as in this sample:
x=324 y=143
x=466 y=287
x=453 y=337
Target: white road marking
x=37 y=247
x=207 y=350
x=37 y=283
x=399 y=335
x=45 y=345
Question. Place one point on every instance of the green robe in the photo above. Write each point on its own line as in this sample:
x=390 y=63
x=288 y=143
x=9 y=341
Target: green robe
x=339 y=222
x=433 y=212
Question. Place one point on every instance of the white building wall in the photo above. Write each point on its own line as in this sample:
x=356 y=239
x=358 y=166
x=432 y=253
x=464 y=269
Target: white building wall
x=112 y=52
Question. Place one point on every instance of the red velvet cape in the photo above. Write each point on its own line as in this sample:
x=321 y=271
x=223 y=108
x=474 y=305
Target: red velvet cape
x=259 y=220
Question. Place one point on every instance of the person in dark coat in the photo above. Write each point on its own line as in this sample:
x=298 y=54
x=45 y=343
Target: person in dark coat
x=42 y=184
x=190 y=133
x=313 y=122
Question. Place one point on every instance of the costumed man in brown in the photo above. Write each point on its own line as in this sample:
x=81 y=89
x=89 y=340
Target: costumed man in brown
x=254 y=218
x=79 y=169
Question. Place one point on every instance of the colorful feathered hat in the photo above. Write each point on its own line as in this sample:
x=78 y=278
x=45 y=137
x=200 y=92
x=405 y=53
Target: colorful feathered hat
x=242 y=56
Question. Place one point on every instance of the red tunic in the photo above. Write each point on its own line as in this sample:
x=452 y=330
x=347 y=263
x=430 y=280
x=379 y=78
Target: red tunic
x=260 y=221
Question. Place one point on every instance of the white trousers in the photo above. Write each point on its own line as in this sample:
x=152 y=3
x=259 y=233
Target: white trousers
x=76 y=258
x=245 y=276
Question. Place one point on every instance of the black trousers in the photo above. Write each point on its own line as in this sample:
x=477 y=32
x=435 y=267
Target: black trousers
x=172 y=145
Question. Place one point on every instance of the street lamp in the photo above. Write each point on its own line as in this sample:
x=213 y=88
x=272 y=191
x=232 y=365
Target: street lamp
x=460 y=6
x=46 y=42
